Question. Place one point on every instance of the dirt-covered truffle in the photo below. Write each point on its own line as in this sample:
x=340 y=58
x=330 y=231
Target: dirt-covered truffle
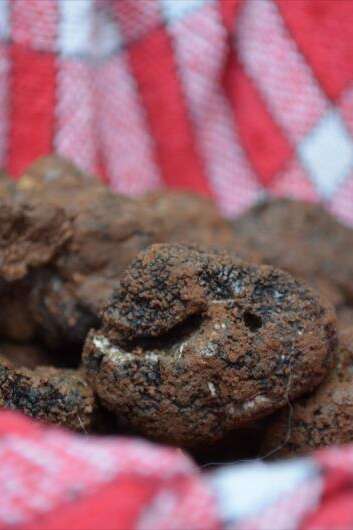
x=52 y=395
x=323 y=418
x=208 y=341
x=108 y=231
x=303 y=239
x=31 y=234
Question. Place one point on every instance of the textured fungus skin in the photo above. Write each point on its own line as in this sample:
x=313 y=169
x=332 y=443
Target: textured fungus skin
x=108 y=231
x=31 y=234
x=303 y=239
x=75 y=237
x=52 y=395
x=320 y=419
x=206 y=340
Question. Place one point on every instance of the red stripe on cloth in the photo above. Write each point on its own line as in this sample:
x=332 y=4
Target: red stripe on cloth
x=229 y=10
x=116 y=506
x=264 y=141
x=201 y=49
x=32 y=103
x=101 y=169
x=4 y=95
x=273 y=62
x=153 y=64
x=335 y=513
x=294 y=182
x=322 y=30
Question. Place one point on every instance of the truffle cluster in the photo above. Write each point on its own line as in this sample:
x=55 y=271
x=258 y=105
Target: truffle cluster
x=159 y=317
x=65 y=240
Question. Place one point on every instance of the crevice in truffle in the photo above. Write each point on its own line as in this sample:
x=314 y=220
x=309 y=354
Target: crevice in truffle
x=171 y=340
x=252 y=321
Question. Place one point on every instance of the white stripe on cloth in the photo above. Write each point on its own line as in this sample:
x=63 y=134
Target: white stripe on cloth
x=5 y=27
x=75 y=136
x=200 y=44
x=246 y=489
x=127 y=146
x=271 y=58
x=76 y=18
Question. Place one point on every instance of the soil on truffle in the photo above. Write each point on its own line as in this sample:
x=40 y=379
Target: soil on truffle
x=49 y=394
x=320 y=419
x=31 y=234
x=206 y=339
x=303 y=239
x=107 y=232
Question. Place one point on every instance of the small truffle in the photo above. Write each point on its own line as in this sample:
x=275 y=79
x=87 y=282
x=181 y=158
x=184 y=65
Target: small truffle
x=52 y=395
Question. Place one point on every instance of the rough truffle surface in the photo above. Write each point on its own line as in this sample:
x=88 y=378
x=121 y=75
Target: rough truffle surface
x=320 y=419
x=49 y=394
x=108 y=231
x=303 y=239
x=207 y=340
x=31 y=233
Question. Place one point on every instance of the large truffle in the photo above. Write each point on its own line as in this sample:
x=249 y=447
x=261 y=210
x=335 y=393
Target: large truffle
x=303 y=239
x=195 y=343
x=320 y=419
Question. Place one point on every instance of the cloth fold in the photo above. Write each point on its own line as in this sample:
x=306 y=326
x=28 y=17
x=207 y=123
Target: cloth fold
x=52 y=479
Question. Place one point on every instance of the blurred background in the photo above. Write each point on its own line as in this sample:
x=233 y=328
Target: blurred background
x=234 y=99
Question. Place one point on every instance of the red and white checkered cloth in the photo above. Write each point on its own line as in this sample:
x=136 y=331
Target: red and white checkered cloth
x=53 y=480
x=232 y=98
